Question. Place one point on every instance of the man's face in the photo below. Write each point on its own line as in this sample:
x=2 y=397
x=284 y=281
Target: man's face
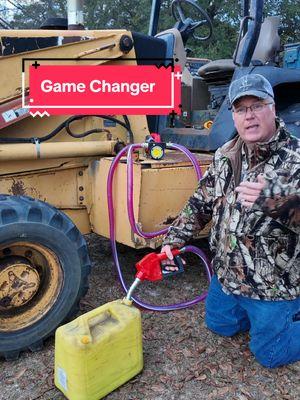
x=257 y=125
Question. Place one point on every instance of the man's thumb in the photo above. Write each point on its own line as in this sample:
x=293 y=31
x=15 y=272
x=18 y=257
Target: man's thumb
x=169 y=253
x=261 y=179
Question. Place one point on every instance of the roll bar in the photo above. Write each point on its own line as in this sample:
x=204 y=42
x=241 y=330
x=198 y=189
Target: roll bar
x=252 y=34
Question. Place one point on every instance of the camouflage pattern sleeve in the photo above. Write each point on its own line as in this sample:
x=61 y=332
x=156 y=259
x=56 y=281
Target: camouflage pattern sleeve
x=280 y=200
x=196 y=213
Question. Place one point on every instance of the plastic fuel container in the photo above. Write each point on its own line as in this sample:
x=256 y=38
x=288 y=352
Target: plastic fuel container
x=98 y=351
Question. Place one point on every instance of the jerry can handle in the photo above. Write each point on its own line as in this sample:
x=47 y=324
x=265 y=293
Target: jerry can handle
x=95 y=319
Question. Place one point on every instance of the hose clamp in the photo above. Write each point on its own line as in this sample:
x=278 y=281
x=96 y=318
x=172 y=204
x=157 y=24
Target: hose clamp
x=37 y=146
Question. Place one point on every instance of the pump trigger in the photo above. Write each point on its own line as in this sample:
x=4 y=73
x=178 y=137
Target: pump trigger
x=178 y=263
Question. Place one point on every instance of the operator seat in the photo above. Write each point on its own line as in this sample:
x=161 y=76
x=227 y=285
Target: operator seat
x=165 y=45
x=175 y=47
x=266 y=49
x=151 y=50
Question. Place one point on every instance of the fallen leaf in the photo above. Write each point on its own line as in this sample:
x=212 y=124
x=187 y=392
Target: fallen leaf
x=171 y=355
x=189 y=377
x=50 y=380
x=12 y=379
x=164 y=378
x=223 y=390
x=158 y=388
x=182 y=339
x=201 y=349
x=247 y=353
x=211 y=368
x=178 y=385
x=19 y=374
x=209 y=350
x=267 y=393
x=226 y=368
x=201 y=377
x=213 y=394
x=246 y=393
x=85 y=303
x=187 y=353
x=242 y=397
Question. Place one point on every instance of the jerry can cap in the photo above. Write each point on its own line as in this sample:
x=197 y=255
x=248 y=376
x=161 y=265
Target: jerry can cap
x=126 y=301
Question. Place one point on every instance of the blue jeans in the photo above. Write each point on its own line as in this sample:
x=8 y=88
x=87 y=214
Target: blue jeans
x=274 y=325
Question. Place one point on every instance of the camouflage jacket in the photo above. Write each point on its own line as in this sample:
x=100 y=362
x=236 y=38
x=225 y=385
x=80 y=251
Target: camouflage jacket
x=256 y=251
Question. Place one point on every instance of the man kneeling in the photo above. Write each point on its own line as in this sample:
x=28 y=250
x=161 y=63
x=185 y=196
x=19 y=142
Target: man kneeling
x=251 y=192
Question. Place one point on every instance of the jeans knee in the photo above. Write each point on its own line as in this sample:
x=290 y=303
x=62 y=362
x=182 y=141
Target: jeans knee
x=221 y=330
x=265 y=361
x=267 y=358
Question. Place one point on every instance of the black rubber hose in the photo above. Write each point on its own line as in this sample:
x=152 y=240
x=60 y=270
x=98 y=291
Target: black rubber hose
x=33 y=139
x=125 y=124
x=66 y=124
x=131 y=139
x=81 y=135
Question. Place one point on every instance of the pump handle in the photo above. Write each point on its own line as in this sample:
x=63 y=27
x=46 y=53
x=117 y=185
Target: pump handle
x=163 y=256
x=149 y=267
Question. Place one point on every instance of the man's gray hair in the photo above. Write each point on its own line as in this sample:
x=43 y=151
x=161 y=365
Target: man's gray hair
x=270 y=99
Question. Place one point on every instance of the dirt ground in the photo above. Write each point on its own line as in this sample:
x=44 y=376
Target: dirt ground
x=182 y=359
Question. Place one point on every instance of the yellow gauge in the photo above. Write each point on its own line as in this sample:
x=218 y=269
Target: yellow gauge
x=157 y=152
x=207 y=124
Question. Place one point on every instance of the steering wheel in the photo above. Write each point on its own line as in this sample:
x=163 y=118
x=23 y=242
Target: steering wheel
x=192 y=24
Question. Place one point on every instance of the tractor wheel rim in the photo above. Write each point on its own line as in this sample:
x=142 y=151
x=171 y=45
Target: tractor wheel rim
x=19 y=282
x=31 y=278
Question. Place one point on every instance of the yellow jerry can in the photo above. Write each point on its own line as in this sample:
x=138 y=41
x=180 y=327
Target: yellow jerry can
x=98 y=351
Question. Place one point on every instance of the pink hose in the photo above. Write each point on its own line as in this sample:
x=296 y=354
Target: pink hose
x=192 y=249
x=134 y=226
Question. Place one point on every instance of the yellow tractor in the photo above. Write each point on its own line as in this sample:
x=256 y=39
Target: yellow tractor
x=53 y=179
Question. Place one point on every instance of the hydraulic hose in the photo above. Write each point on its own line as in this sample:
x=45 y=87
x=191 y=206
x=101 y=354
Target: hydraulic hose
x=66 y=125
x=192 y=249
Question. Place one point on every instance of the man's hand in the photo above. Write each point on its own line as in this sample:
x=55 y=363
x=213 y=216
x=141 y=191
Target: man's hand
x=169 y=265
x=249 y=191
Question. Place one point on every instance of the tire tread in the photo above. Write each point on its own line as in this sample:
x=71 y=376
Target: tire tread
x=27 y=209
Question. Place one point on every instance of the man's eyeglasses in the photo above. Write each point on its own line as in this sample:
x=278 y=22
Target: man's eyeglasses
x=256 y=108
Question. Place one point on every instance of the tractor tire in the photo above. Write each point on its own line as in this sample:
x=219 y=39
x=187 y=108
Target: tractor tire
x=44 y=267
